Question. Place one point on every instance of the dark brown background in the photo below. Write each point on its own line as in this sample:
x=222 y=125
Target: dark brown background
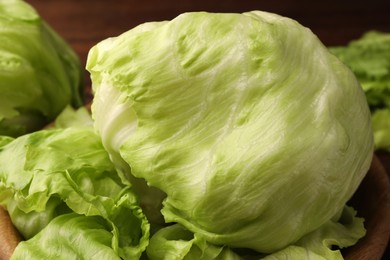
x=83 y=23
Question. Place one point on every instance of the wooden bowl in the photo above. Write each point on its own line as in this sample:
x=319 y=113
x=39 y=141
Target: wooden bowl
x=371 y=200
x=9 y=236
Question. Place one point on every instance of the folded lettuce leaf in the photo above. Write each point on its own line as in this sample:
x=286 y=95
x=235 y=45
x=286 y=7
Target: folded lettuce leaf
x=175 y=242
x=325 y=243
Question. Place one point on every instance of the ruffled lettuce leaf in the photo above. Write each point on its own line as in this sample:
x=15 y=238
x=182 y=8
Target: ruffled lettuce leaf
x=175 y=242
x=59 y=171
x=70 y=236
x=325 y=243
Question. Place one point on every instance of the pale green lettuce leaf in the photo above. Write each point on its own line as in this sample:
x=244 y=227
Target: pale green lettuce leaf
x=5 y=140
x=381 y=126
x=175 y=242
x=70 y=117
x=39 y=72
x=253 y=131
x=70 y=236
x=325 y=243
x=58 y=171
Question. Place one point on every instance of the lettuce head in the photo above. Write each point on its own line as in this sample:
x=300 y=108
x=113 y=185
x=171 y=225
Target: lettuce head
x=39 y=73
x=247 y=128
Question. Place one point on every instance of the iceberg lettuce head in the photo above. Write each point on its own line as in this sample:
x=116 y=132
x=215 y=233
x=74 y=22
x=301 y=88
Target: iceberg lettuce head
x=254 y=134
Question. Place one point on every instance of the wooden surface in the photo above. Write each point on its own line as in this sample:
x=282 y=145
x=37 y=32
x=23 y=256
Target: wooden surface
x=9 y=236
x=374 y=188
x=83 y=23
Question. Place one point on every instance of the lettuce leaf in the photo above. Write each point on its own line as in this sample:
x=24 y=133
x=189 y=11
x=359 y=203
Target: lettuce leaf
x=175 y=242
x=54 y=172
x=70 y=236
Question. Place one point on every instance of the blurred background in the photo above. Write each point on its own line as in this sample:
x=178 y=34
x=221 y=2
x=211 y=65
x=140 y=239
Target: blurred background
x=83 y=23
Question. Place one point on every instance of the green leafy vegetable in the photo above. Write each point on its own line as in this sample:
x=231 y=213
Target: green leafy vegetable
x=81 y=237
x=52 y=173
x=70 y=117
x=253 y=131
x=369 y=58
x=321 y=243
x=39 y=73
x=175 y=242
x=381 y=126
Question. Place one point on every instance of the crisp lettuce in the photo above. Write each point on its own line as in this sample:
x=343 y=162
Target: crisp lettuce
x=369 y=58
x=70 y=236
x=325 y=242
x=175 y=242
x=71 y=117
x=56 y=172
x=39 y=73
x=255 y=135
x=381 y=126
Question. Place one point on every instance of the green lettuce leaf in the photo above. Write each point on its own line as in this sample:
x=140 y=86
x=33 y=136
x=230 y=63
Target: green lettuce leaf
x=175 y=242
x=325 y=243
x=381 y=126
x=70 y=117
x=54 y=172
x=39 y=73
x=70 y=236
x=253 y=132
